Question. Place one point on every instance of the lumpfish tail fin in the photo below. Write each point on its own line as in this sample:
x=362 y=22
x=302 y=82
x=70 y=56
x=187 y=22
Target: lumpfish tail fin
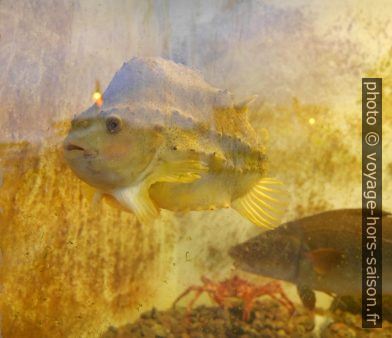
x=264 y=204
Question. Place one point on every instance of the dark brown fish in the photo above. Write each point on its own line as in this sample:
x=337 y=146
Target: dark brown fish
x=322 y=252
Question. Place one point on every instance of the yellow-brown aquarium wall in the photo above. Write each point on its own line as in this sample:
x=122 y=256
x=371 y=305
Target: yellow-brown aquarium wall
x=72 y=267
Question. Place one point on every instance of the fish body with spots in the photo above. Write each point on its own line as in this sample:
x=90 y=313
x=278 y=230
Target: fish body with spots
x=163 y=138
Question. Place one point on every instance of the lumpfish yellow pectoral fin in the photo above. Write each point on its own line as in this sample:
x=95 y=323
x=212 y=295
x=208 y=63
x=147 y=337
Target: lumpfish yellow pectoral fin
x=264 y=204
x=185 y=171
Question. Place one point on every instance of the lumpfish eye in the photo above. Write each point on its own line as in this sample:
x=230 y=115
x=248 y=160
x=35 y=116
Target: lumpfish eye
x=113 y=124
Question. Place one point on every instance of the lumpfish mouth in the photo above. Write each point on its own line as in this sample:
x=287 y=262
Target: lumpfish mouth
x=72 y=147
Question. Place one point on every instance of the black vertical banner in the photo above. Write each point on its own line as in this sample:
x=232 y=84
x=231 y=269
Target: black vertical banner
x=371 y=202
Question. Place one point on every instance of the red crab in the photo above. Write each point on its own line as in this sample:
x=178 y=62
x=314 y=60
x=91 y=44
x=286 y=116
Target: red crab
x=239 y=288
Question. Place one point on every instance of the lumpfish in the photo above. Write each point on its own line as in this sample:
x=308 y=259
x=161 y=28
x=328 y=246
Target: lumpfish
x=321 y=252
x=165 y=138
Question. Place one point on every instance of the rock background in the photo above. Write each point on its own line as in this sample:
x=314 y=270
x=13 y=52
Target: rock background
x=70 y=268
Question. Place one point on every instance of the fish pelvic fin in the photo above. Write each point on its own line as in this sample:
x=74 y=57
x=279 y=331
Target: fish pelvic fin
x=264 y=204
x=137 y=200
x=307 y=296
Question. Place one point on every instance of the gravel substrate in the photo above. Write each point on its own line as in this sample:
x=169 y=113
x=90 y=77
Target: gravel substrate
x=268 y=319
x=348 y=325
